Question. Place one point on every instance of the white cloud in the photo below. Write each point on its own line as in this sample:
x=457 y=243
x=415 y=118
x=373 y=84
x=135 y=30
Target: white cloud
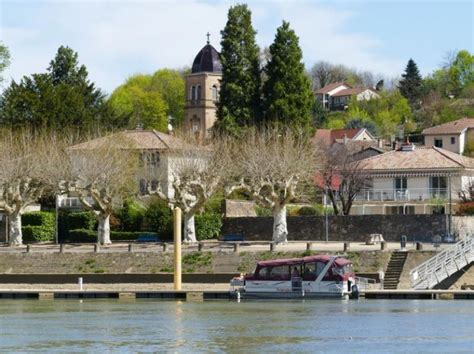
x=117 y=39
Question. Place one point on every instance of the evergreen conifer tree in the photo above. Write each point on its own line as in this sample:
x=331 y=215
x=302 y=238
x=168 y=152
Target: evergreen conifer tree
x=411 y=83
x=239 y=99
x=287 y=95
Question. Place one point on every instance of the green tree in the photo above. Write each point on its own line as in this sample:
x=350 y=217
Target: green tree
x=411 y=84
x=239 y=99
x=461 y=72
x=4 y=59
x=60 y=98
x=287 y=96
x=170 y=84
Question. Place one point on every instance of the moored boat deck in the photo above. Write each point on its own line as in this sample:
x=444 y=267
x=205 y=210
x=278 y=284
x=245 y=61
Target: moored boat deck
x=200 y=295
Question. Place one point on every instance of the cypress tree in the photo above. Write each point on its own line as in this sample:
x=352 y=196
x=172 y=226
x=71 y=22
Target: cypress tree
x=411 y=83
x=287 y=95
x=239 y=99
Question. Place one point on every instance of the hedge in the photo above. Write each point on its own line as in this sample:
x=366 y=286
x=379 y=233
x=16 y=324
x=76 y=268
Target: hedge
x=208 y=225
x=466 y=208
x=38 y=226
x=81 y=220
x=86 y=236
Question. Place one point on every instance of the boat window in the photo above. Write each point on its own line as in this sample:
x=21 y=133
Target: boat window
x=312 y=270
x=280 y=272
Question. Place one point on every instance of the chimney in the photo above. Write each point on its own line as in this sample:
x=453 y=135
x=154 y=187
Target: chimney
x=345 y=139
x=380 y=143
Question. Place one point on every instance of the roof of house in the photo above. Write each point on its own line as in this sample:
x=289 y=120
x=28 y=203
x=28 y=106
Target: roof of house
x=352 y=91
x=330 y=136
x=332 y=86
x=421 y=158
x=455 y=127
x=135 y=139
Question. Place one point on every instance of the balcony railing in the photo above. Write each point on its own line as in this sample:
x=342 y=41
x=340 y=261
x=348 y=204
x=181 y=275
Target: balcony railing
x=410 y=194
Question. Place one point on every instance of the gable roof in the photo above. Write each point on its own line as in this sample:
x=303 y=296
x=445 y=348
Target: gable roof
x=330 y=136
x=455 y=127
x=352 y=91
x=135 y=139
x=421 y=158
x=332 y=86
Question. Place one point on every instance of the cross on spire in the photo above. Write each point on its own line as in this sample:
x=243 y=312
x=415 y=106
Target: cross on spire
x=208 y=35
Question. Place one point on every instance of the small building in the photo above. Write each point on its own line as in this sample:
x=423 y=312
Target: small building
x=413 y=180
x=328 y=137
x=336 y=96
x=453 y=136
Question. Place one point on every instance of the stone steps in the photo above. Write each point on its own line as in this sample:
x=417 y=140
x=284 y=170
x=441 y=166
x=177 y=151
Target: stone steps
x=394 y=270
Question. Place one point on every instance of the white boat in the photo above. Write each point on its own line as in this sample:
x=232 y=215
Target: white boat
x=307 y=277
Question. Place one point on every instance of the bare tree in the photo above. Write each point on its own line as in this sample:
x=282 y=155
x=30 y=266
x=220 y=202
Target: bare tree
x=321 y=74
x=467 y=192
x=101 y=173
x=341 y=177
x=28 y=164
x=270 y=166
x=190 y=176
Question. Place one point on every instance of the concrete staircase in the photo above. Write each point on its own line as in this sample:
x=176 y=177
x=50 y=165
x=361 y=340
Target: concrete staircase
x=394 y=270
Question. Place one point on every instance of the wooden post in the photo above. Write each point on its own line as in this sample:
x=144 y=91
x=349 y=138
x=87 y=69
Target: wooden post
x=272 y=246
x=130 y=247
x=347 y=246
x=383 y=246
x=236 y=247
x=177 y=248
x=309 y=246
x=200 y=246
x=165 y=247
x=419 y=246
x=28 y=248
x=96 y=248
x=61 y=248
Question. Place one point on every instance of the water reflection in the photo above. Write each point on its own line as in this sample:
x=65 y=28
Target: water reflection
x=249 y=326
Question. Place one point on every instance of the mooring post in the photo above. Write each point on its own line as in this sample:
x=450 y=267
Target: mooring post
x=177 y=248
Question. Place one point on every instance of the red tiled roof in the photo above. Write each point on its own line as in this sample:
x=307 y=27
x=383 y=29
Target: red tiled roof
x=135 y=139
x=421 y=158
x=454 y=127
x=332 y=86
x=329 y=136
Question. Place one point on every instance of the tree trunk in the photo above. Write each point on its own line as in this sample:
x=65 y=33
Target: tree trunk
x=189 y=229
x=280 y=231
x=14 y=229
x=103 y=230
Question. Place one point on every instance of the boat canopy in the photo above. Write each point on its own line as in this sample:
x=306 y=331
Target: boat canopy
x=340 y=261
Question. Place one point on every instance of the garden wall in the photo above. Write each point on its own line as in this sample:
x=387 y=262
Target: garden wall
x=342 y=228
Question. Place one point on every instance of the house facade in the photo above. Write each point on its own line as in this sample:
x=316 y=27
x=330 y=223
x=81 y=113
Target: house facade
x=453 y=136
x=413 y=180
x=328 y=137
x=336 y=96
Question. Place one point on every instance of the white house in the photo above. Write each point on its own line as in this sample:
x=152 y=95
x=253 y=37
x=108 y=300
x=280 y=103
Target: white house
x=413 y=180
x=452 y=136
x=336 y=96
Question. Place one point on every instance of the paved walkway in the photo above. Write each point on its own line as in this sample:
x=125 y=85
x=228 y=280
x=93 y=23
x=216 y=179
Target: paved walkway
x=213 y=246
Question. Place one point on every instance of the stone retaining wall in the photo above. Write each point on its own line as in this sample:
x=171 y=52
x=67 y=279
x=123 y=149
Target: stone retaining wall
x=342 y=228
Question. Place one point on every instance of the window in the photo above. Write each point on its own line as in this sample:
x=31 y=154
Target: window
x=198 y=92
x=453 y=140
x=438 y=186
x=275 y=273
x=438 y=142
x=195 y=124
x=400 y=183
x=400 y=210
x=193 y=93
x=143 y=187
x=215 y=95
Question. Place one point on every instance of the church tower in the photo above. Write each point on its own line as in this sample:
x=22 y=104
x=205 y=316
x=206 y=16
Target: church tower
x=202 y=91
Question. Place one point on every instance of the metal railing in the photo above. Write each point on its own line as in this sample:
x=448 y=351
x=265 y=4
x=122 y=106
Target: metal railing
x=409 y=194
x=72 y=202
x=365 y=283
x=443 y=265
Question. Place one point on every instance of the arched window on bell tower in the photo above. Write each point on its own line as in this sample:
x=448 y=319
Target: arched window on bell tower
x=193 y=93
x=215 y=93
x=199 y=92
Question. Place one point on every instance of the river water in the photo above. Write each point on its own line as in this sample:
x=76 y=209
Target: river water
x=340 y=326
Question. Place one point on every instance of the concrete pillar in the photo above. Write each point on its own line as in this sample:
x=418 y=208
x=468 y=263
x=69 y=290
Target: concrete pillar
x=177 y=248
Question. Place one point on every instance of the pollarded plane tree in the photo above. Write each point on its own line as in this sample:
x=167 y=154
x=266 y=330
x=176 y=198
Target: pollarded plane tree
x=28 y=170
x=271 y=166
x=190 y=177
x=102 y=173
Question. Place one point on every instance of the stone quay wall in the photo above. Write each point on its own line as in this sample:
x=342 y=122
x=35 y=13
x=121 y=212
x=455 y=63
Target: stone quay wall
x=342 y=228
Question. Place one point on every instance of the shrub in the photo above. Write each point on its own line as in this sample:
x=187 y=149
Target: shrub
x=38 y=226
x=466 y=208
x=214 y=204
x=131 y=216
x=308 y=211
x=37 y=233
x=260 y=211
x=81 y=220
x=208 y=225
x=159 y=218
x=81 y=236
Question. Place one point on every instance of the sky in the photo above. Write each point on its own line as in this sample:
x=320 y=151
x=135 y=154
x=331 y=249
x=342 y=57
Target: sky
x=117 y=39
